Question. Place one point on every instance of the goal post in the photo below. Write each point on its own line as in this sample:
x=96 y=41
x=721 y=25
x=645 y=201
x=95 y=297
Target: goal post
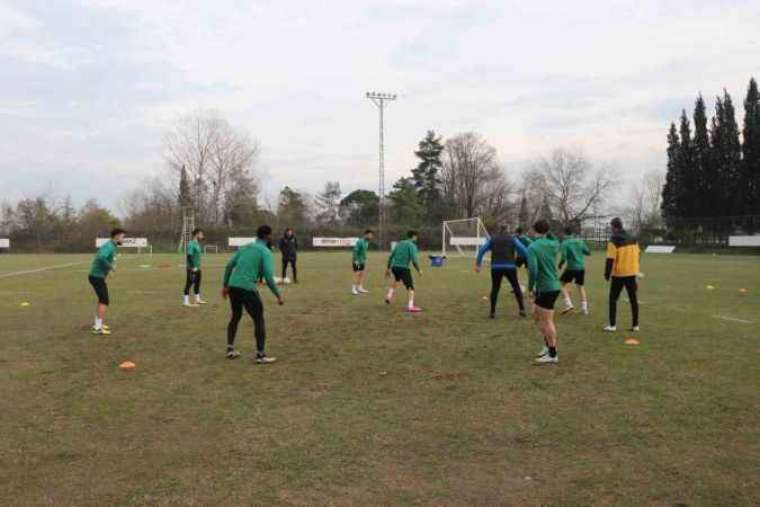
x=465 y=236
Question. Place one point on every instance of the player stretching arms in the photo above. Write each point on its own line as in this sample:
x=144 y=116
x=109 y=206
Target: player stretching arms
x=544 y=283
x=102 y=264
x=622 y=266
x=359 y=263
x=504 y=250
x=403 y=254
x=240 y=278
x=193 y=278
x=573 y=251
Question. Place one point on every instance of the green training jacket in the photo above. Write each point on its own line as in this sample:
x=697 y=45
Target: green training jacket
x=249 y=264
x=573 y=251
x=360 y=251
x=542 y=265
x=404 y=254
x=102 y=264
x=193 y=254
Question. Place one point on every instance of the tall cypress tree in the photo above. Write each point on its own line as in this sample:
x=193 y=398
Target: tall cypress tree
x=703 y=167
x=426 y=175
x=688 y=192
x=726 y=150
x=669 y=205
x=750 y=174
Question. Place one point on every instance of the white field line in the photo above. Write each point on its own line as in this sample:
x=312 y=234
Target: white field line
x=733 y=319
x=40 y=270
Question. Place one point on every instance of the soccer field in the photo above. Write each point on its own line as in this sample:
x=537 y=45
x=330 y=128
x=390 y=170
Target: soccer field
x=369 y=405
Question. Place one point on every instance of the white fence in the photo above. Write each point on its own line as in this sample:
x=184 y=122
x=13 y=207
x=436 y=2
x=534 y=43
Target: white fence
x=139 y=243
x=661 y=249
x=334 y=242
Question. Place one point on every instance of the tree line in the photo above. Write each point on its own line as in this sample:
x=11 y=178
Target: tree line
x=713 y=169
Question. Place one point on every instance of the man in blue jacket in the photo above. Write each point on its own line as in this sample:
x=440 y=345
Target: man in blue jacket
x=505 y=249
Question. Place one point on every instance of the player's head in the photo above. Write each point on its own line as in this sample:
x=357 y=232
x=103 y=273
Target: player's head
x=503 y=228
x=264 y=233
x=541 y=227
x=568 y=230
x=616 y=224
x=412 y=234
x=117 y=235
x=289 y=232
x=519 y=231
x=369 y=234
x=198 y=234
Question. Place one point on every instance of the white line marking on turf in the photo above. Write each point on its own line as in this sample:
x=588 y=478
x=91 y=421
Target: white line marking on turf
x=40 y=270
x=733 y=319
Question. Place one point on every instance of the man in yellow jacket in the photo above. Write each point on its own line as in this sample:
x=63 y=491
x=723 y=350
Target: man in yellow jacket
x=622 y=268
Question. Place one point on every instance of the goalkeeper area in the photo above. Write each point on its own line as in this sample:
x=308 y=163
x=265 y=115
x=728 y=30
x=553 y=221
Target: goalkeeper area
x=369 y=405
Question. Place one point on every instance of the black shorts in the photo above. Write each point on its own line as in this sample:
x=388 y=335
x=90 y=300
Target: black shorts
x=570 y=275
x=546 y=300
x=101 y=289
x=403 y=275
x=358 y=268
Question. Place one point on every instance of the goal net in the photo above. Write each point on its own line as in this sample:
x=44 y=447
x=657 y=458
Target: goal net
x=463 y=236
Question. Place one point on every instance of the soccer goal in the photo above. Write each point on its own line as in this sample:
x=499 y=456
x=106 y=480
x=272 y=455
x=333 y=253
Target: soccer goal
x=210 y=248
x=464 y=235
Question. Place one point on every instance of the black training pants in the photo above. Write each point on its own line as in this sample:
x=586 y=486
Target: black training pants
x=510 y=274
x=250 y=300
x=631 y=288
x=292 y=263
x=193 y=280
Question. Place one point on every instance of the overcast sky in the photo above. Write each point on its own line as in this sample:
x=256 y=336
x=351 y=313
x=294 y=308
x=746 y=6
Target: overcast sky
x=87 y=87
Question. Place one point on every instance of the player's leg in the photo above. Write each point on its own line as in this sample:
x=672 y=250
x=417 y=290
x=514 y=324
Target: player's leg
x=496 y=276
x=580 y=282
x=189 y=281
x=236 y=306
x=357 y=278
x=631 y=288
x=566 y=279
x=101 y=292
x=409 y=284
x=511 y=275
x=362 y=278
x=295 y=270
x=395 y=279
x=616 y=286
x=545 y=310
x=284 y=267
x=197 y=288
x=255 y=308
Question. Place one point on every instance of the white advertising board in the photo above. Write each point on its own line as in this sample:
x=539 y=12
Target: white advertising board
x=5 y=243
x=334 y=242
x=126 y=242
x=744 y=240
x=663 y=249
x=238 y=242
x=466 y=241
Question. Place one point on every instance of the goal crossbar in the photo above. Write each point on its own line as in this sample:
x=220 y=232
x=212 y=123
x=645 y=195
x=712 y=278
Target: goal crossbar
x=463 y=233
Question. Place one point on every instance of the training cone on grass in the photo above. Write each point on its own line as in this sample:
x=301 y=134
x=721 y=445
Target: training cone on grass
x=127 y=366
x=743 y=290
x=631 y=341
x=25 y=303
x=710 y=287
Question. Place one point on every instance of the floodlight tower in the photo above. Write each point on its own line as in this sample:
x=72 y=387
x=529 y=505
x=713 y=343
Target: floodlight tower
x=379 y=99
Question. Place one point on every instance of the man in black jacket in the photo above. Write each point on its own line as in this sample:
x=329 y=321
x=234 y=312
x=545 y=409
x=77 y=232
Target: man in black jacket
x=505 y=250
x=288 y=247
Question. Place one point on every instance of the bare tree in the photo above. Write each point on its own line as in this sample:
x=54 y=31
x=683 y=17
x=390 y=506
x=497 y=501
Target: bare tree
x=471 y=177
x=571 y=185
x=211 y=151
x=646 y=197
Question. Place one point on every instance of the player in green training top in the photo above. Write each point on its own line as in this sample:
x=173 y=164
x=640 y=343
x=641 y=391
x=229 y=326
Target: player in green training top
x=359 y=263
x=573 y=251
x=102 y=264
x=249 y=264
x=403 y=254
x=544 y=284
x=193 y=278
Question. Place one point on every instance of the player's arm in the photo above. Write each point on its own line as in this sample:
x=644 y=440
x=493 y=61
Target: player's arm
x=416 y=259
x=532 y=269
x=104 y=259
x=229 y=268
x=586 y=249
x=267 y=267
x=562 y=255
x=481 y=253
x=391 y=257
x=610 y=262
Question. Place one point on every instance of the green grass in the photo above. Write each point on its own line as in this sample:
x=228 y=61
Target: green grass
x=370 y=405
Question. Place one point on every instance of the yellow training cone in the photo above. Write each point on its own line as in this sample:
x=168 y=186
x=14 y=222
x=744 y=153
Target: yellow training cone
x=743 y=290
x=127 y=366
x=631 y=341
x=710 y=287
x=25 y=303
